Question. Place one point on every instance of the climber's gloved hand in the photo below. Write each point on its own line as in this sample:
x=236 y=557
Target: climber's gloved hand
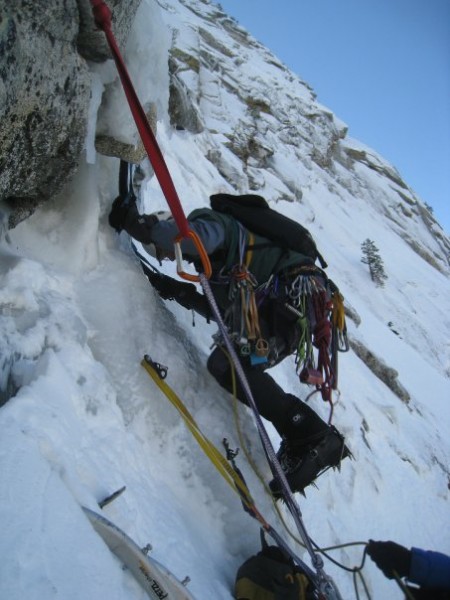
x=184 y=293
x=390 y=557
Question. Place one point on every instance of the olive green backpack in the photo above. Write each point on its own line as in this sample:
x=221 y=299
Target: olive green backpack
x=271 y=575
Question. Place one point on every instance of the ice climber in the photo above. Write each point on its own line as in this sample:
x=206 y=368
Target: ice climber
x=268 y=332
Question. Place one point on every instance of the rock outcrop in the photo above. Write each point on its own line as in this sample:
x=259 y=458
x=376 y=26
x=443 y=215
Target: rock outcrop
x=45 y=94
x=386 y=374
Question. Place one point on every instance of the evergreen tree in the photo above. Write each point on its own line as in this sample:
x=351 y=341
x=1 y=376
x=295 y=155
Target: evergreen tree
x=372 y=258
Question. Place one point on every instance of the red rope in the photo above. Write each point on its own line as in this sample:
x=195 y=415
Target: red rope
x=322 y=339
x=102 y=16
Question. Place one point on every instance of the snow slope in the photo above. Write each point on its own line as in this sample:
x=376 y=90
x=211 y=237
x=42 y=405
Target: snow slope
x=82 y=418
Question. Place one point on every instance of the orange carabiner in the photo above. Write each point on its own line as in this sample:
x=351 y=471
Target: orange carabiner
x=201 y=251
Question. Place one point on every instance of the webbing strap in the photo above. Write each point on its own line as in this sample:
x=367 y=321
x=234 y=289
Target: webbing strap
x=102 y=16
x=216 y=457
x=231 y=476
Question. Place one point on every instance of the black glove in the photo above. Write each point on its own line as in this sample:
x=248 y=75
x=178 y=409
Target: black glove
x=182 y=292
x=390 y=557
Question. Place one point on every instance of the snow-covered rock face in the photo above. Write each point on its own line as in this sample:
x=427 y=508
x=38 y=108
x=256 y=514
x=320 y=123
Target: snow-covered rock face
x=262 y=129
x=254 y=106
x=43 y=105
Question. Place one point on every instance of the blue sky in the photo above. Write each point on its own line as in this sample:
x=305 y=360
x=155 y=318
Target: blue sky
x=381 y=66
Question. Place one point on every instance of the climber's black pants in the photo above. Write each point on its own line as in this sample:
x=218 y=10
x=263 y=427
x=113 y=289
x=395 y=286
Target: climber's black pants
x=272 y=402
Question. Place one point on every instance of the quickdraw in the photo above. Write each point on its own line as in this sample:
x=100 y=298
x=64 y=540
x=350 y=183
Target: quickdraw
x=243 y=316
x=338 y=320
x=319 y=306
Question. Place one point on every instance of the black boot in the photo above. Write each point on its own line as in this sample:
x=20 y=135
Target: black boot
x=309 y=448
x=302 y=463
x=300 y=421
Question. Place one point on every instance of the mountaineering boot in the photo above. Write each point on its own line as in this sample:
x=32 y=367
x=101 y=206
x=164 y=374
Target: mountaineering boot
x=303 y=461
x=309 y=447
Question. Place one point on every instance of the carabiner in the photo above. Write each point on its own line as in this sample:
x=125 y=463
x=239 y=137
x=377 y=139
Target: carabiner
x=201 y=251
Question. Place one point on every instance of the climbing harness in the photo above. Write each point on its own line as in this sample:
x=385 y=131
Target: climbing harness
x=102 y=16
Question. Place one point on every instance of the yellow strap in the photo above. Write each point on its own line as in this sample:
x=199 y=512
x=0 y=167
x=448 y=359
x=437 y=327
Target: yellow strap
x=249 y=309
x=215 y=456
x=338 y=314
x=303 y=585
x=249 y=324
x=249 y=252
